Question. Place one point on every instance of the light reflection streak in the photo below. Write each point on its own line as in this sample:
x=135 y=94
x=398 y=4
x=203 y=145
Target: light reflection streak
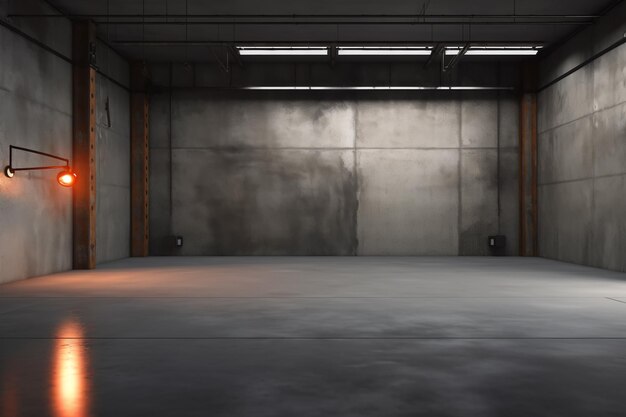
x=70 y=372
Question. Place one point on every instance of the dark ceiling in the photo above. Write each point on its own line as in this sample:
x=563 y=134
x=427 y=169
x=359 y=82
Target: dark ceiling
x=184 y=30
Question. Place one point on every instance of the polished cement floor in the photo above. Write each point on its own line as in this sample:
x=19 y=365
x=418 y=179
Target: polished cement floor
x=316 y=337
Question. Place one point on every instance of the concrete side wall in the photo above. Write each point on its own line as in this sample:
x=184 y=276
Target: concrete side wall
x=113 y=153
x=582 y=155
x=35 y=112
x=330 y=173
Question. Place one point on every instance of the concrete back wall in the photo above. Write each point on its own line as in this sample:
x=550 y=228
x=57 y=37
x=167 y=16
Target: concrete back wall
x=35 y=112
x=582 y=153
x=267 y=173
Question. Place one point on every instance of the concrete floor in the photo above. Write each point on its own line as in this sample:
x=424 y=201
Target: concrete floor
x=316 y=337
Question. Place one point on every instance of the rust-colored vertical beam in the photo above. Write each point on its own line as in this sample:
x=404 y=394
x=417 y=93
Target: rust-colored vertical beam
x=528 y=164
x=84 y=144
x=139 y=157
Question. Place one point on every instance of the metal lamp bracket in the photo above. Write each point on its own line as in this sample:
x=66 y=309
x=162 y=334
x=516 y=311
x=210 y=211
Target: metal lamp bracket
x=10 y=170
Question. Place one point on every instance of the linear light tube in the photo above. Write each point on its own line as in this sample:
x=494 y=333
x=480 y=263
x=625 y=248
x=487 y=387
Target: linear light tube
x=500 y=52
x=377 y=88
x=496 y=51
x=384 y=51
x=283 y=51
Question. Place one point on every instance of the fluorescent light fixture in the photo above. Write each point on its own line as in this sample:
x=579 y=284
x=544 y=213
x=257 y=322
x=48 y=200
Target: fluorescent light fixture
x=384 y=50
x=283 y=50
x=373 y=88
x=275 y=88
x=453 y=50
x=495 y=50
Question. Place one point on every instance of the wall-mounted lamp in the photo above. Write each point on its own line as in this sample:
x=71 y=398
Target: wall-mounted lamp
x=65 y=178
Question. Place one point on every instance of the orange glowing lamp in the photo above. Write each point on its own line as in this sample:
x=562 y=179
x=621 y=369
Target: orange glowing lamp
x=65 y=178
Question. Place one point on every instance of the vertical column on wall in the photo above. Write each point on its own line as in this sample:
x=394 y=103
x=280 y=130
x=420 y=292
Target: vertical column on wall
x=139 y=108
x=528 y=162
x=84 y=143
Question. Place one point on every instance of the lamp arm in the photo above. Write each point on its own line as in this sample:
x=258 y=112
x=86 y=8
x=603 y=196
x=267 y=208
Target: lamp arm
x=19 y=148
x=39 y=168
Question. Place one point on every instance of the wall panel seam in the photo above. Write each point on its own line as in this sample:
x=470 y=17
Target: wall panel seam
x=593 y=113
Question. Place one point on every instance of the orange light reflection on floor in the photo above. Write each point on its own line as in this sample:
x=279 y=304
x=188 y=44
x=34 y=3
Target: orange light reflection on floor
x=70 y=372
x=8 y=400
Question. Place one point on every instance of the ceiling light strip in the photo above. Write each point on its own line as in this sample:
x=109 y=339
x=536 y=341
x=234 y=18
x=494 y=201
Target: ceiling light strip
x=283 y=51
x=375 y=88
x=501 y=52
x=495 y=50
x=384 y=51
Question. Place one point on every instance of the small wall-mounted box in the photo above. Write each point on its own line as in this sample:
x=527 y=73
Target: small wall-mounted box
x=179 y=241
x=497 y=245
x=497 y=241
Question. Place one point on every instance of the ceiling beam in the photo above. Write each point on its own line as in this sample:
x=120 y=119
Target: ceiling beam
x=419 y=17
x=346 y=23
x=321 y=19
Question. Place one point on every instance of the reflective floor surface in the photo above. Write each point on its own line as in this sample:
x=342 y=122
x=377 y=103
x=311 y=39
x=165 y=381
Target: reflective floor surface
x=316 y=337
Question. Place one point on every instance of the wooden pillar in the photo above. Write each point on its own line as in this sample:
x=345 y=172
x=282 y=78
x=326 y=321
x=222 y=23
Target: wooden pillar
x=139 y=159
x=84 y=143
x=528 y=198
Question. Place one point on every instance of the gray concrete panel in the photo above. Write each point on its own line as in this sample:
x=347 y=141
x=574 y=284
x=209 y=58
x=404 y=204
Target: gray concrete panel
x=566 y=101
x=609 y=141
x=609 y=79
x=432 y=122
x=608 y=247
x=160 y=120
x=509 y=199
x=204 y=119
x=36 y=220
x=112 y=64
x=160 y=219
x=479 y=115
x=113 y=169
x=264 y=202
x=408 y=202
x=119 y=107
x=35 y=74
x=35 y=103
x=113 y=223
x=566 y=152
x=565 y=215
x=508 y=120
x=479 y=200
